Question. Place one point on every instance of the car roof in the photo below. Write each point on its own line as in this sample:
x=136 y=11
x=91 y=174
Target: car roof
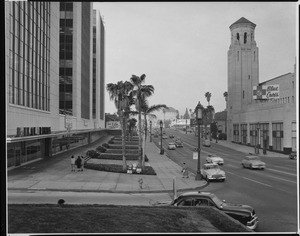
x=193 y=193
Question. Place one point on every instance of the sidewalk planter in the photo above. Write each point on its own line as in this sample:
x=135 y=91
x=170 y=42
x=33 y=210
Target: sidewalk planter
x=117 y=146
x=119 y=151
x=93 y=154
x=126 y=143
x=148 y=170
x=116 y=156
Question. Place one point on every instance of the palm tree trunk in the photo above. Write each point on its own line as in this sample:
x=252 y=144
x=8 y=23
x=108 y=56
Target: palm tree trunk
x=140 y=135
x=144 y=143
x=123 y=142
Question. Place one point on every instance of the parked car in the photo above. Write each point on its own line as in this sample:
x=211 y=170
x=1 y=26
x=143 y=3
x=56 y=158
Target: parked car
x=293 y=155
x=253 y=162
x=206 y=143
x=179 y=143
x=215 y=159
x=171 y=146
x=243 y=213
x=171 y=136
x=212 y=171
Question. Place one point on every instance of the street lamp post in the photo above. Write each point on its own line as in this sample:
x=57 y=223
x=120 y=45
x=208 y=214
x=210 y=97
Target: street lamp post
x=161 y=126
x=198 y=117
x=150 y=131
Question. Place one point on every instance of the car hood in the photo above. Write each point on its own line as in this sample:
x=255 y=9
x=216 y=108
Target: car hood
x=237 y=207
x=162 y=203
x=216 y=158
x=257 y=163
x=215 y=172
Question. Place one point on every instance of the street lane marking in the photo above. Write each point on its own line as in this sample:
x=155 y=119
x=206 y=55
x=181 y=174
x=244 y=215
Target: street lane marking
x=282 y=179
x=283 y=172
x=257 y=182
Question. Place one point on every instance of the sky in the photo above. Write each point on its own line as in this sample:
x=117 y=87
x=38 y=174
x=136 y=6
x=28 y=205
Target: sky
x=182 y=47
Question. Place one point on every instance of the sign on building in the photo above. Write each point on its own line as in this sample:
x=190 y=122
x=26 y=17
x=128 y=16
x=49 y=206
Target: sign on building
x=265 y=92
x=113 y=125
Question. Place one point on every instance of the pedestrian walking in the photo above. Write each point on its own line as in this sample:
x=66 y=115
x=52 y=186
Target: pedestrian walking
x=185 y=172
x=82 y=163
x=78 y=163
x=72 y=163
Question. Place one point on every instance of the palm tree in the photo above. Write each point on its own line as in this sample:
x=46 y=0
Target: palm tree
x=121 y=94
x=131 y=125
x=208 y=115
x=208 y=95
x=140 y=92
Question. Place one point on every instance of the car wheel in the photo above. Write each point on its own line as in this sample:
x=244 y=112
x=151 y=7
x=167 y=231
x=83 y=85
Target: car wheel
x=250 y=166
x=243 y=165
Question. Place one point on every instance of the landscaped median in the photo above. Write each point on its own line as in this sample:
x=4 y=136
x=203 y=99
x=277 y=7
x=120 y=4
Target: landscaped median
x=50 y=218
x=112 y=151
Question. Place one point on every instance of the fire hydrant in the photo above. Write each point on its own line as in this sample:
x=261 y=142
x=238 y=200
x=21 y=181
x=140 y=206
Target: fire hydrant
x=140 y=183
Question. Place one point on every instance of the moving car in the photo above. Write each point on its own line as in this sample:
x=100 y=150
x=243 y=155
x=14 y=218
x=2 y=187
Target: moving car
x=215 y=159
x=171 y=136
x=243 y=213
x=171 y=146
x=212 y=171
x=293 y=155
x=179 y=143
x=206 y=143
x=164 y=137
x=253 y=162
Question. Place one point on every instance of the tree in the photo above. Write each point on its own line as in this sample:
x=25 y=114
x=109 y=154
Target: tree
x=131 y=125
x=147 y=110
x=140 y=92
x=121 y=94
x=207 y=116
x=208 y=96
x=177 y=114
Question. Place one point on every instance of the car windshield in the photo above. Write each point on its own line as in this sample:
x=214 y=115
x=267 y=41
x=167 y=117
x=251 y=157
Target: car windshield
x=254 y=158
x=211 y=167
x=217 y=201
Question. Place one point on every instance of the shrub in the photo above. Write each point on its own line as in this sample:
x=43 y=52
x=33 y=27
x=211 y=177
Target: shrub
x=148 y=170
x=222 y=136
x=105 y=145
x=101 y=149
x=118 y=156
x=110 y=142
x=93 y=154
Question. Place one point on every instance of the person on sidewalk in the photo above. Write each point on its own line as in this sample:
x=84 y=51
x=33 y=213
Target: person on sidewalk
x=82 y=163
x=72 y=163
x=185 y=172
x=78 y=163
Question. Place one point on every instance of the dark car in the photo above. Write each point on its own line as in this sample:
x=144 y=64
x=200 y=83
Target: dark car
x=243 y=213
x=171 y=136
x=179 y=143
x=293 y=155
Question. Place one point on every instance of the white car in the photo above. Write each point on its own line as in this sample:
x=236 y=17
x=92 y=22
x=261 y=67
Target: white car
x=211 y=171
x=215 y=159
x=253 y=162
x=171 y=146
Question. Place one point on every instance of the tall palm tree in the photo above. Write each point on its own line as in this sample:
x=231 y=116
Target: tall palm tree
x=208 y=114
x=131 y=125
x=140 y=92
x=208 y=95
x=121 y=94
x=147 y=110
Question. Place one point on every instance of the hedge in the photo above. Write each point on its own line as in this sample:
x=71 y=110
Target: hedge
x=148 y=170
x=93 y=154
x=113 y=156
x=101 y=149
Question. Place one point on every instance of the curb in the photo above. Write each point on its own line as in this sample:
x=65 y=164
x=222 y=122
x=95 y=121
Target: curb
x=110 y=191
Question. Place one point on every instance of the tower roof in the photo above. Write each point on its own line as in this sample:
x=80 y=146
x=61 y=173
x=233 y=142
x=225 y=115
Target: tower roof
x=243 y=20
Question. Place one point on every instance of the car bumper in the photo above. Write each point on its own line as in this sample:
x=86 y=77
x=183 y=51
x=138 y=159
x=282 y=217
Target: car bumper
x=217 y=178
x=253 y=223
x=258 y=167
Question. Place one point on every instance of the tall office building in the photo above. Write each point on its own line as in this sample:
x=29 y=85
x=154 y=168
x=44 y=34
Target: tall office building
x=49 y=78
x=98 y=69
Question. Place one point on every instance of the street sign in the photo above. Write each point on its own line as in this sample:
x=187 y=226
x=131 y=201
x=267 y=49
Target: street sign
x=195 y=155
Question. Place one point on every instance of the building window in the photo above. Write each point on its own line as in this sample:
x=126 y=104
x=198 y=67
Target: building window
x=249 y=76
x=293 y=84
x=238 y=55
x=243 y=94
x=244 y=133
x=277 y=136
x=245 y=37
x=254 y=56
x=236 y=132
x=238 y=36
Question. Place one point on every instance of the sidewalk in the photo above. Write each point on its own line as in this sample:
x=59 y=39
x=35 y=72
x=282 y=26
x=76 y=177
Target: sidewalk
x=247 y=149
x=54 y=174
